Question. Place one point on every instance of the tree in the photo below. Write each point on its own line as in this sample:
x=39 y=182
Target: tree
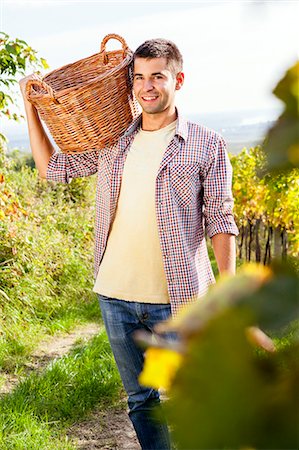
x=16 y=56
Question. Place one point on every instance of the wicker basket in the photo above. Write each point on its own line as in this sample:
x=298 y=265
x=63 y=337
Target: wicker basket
x=87 y=105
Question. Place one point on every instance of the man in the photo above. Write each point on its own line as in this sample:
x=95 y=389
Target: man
x=159 y=187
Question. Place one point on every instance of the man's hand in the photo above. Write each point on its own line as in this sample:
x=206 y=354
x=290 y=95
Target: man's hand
x=40 y=144
x=224 y=246
x=23 y=83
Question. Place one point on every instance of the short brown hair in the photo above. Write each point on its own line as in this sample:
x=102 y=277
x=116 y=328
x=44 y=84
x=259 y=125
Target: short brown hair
x=161 y=48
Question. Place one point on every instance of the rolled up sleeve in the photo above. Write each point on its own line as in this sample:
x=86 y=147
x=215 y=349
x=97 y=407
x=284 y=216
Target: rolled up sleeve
x=217 y=198
x=62 y=167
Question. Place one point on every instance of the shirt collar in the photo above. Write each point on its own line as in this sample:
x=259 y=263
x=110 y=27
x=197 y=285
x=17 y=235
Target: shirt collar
x=181 y=127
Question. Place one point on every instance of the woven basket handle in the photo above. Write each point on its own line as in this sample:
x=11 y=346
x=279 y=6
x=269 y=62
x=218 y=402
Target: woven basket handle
x=43 y=85
x=118 y=38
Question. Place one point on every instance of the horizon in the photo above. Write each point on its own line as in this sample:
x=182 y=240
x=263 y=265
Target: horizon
x=239 y=128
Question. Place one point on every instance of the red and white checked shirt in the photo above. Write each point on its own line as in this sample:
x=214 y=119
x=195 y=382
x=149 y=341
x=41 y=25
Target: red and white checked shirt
x=193 y=193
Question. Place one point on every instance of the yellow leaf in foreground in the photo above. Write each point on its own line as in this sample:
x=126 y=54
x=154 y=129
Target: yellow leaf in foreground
x=160 y=367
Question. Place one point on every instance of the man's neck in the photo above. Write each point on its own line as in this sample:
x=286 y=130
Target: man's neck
x=153 y=122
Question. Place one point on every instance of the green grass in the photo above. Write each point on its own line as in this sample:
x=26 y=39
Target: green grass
x=22 y=337
x=46 y=262
x=37 y=413
x=46 y=279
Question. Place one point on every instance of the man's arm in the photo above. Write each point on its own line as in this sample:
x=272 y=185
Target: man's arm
x=54 y=166
x=41 y=147
x=218 y=208
x=224 y=247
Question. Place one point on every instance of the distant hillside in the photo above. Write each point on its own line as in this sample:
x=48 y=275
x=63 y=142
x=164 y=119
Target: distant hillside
x=240 y=129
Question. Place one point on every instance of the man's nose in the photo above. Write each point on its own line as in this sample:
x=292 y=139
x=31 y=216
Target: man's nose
x=147 y=85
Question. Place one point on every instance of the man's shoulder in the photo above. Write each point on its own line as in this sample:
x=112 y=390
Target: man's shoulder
x=203 y=133
x=200 y=142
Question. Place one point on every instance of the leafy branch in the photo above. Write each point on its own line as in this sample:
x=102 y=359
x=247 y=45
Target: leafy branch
x=16 y=57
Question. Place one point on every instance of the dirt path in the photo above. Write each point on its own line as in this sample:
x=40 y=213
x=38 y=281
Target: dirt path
x=108 y=430
x=49 y=349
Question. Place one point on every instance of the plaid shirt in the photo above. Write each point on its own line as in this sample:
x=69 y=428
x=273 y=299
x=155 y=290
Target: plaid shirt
x=193 y=194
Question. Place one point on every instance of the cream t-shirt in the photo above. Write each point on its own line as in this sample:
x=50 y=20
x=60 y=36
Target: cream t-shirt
x=132 y=265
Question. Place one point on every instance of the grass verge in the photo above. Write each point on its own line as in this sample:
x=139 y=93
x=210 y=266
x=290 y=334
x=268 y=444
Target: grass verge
x=37 y=413
x=46 y=261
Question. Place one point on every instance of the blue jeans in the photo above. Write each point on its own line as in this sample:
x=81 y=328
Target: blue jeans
x=122 y=319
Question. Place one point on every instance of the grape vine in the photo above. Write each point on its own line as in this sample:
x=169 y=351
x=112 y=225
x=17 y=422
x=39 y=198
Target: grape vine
x=266 y=208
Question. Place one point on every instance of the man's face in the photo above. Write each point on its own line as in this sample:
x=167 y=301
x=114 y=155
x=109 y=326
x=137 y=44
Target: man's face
x=155 y=85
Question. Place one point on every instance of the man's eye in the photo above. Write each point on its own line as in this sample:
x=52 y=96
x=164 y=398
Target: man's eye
x=137 y=77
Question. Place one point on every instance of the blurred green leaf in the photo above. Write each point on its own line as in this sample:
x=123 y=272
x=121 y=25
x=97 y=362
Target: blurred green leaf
x=269 y=297
x=11 y=49
x=226 y=396
x=3 y=137
x=44 y=63
x=276 y=304
x=287 y=90
x=282 y=142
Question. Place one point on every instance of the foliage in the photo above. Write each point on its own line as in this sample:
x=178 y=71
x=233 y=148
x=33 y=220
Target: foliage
x=16 y=56
x=266 y=182
x=19 y=159
x=46 y=258
x=282 y=142
x=270 y=201
x=239 y=398
x=248 y=190
x=160 y=367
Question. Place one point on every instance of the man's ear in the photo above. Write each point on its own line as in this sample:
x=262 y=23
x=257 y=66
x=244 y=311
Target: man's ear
x=179 y=80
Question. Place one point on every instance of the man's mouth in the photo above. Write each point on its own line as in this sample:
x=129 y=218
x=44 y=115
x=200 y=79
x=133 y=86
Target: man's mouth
x=149 y=98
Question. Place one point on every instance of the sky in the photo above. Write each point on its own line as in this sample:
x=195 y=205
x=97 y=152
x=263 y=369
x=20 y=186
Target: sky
x=234 y=51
